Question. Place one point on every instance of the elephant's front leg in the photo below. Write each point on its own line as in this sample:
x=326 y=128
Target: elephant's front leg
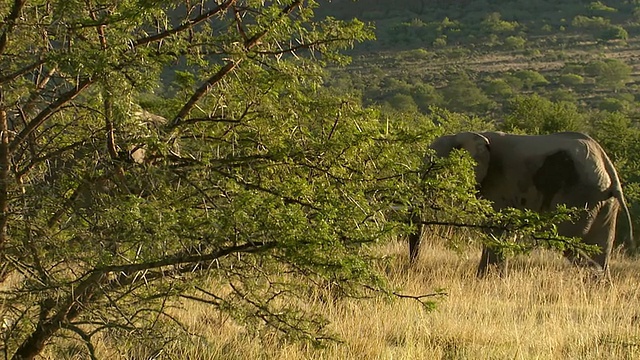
x=490 y=259
x=414 y=239
x=414 y=245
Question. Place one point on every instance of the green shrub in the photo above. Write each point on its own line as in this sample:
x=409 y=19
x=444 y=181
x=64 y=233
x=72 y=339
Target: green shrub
x=537 y=115
x=402 y=102
x=531 y=78
x=515 y=42
x=571 y=80
x=586 y=22
x=565 y=95
x=440 y=41
x=599 y=7
x=612 y=73
x=613 y=105
x=493 y=24
x=614 y=32
x=463 y=94
x=498 y=87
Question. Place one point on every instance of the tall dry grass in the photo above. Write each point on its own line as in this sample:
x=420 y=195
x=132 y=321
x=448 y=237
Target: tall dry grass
x=544 y=309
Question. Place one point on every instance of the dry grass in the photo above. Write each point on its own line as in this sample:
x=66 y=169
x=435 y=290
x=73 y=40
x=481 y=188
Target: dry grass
x=545 y=309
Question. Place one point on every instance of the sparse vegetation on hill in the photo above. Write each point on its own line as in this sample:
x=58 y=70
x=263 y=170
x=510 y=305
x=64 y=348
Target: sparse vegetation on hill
x=498 y=40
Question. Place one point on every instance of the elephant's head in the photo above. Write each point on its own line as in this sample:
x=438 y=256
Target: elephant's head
x=476 y=144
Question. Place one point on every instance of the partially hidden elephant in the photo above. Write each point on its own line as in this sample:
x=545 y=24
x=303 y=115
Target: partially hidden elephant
x=538 y=172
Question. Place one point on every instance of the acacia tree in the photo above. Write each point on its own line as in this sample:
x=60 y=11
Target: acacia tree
x=109 y=212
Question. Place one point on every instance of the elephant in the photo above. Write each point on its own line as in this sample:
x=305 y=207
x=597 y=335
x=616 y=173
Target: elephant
x=539 y=172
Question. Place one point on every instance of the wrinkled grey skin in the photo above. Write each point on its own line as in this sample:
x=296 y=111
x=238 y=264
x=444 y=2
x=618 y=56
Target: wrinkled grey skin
x=538 y=172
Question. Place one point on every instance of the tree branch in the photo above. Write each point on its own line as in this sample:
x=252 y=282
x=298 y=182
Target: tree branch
x=10 y=23
x=97 y=283
x=427 y=305
x=4 y=177
x=22 y=71
x=226 y=69
x=188 y=24
x=39 y=119
x=86 y=338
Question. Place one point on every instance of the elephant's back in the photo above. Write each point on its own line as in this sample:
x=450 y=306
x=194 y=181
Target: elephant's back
x=580 y=146
x=548 y=164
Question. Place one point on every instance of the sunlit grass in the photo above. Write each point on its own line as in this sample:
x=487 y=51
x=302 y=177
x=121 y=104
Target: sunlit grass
x=544 y=309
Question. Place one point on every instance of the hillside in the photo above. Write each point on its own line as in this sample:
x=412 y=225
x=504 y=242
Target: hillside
x=583 y=52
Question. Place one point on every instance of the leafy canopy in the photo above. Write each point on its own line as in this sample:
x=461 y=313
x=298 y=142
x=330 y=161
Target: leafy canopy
x=149 y=147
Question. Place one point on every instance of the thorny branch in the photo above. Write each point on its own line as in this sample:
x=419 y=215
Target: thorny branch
x=22 y=71
x=51 y=109
x=100 y=281
x=59 y=313
x=427 y=305
x=231 y=64
x=186 y=25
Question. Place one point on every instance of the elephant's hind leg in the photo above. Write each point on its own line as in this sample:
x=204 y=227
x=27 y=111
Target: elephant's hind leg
x=602 y=232
x=597 y=229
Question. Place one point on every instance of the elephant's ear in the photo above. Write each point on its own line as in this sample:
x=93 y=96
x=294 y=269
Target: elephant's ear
x=478 y=146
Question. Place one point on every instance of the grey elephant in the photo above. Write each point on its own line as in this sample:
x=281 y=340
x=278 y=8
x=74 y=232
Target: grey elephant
x=538 y=172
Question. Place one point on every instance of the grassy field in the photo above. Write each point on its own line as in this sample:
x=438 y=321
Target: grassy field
x=545 y=309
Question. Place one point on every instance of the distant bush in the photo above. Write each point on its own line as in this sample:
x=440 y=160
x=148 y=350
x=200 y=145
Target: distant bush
x=532 y=52
x=440 y=41
x=414 y=31
x=531 y=79
x=392 y=85
x=560 y=95
x=415 y=54
x=617 y=134
x=614 y=32
x=498 y=87
x=402 y=102
x=537 y=115
x=573 y=68
x=599 y=7
x=628 y=97
x=586 y=22
x=493 y=23
x=611 y=73
x=456 y=53
x=613 y=105
x=515 y=42
x=425 y=96
x=636 y=14
x=462 y=94
x=513 y=81
x=449 y=25
x=571 y=80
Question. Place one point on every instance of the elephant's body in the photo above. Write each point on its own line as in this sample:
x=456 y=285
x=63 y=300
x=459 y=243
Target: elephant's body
x=538 y=172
